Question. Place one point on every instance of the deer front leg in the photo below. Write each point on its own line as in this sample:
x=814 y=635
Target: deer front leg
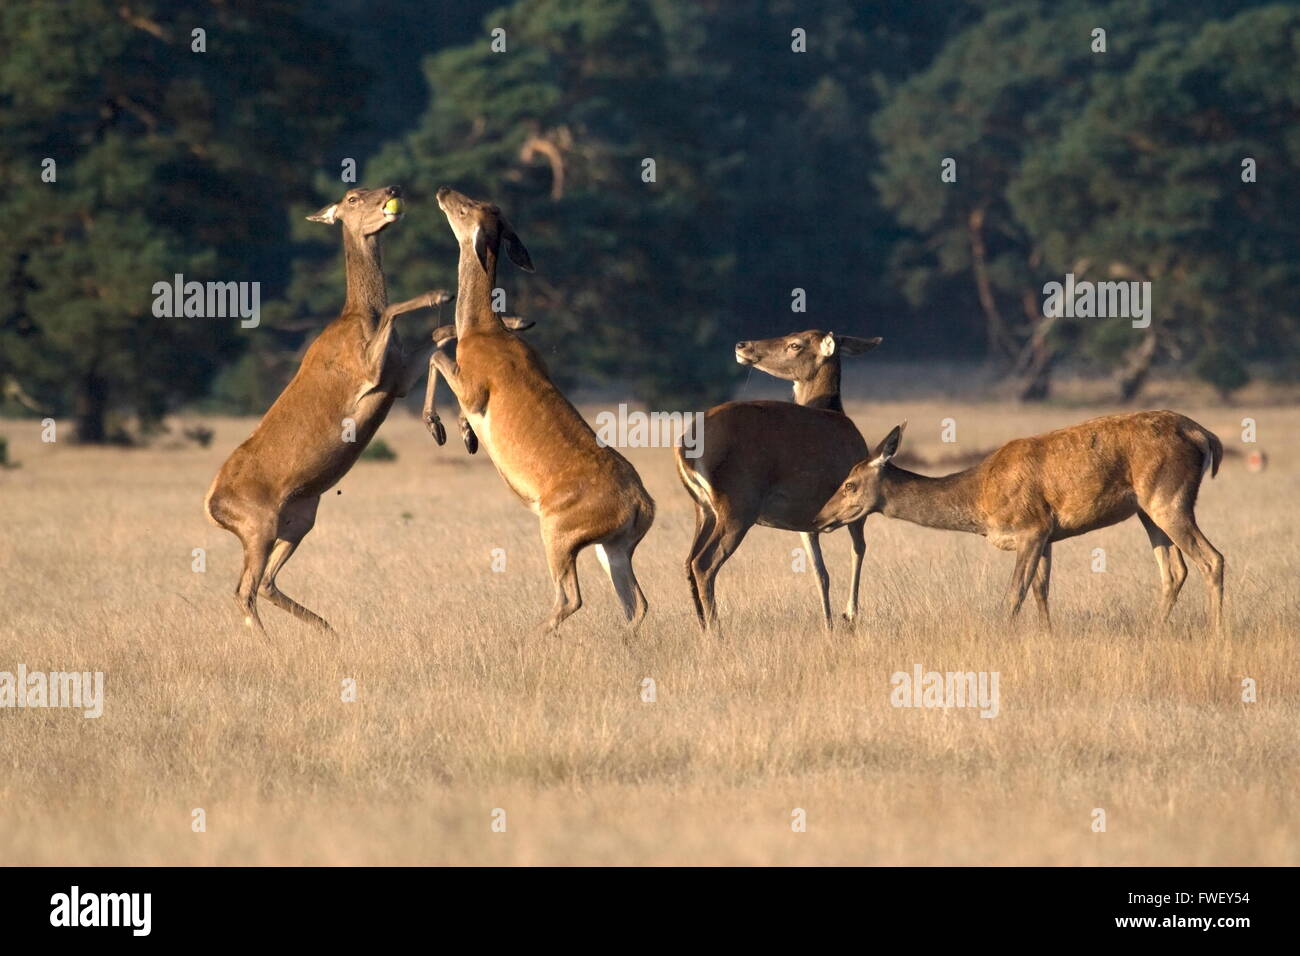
x=431 y=419
x=1028 y=554
x=377 y=347
x=441 y=336
x=467 y=434
x=859 y=539
x=813 y=548
x=514 y=323
x=442 y=362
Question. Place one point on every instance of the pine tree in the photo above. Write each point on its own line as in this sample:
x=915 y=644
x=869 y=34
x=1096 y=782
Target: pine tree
x=167 y=159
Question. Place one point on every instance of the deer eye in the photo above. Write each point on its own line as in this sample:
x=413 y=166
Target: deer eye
x=795 y=346
x=850 y=487
x=352 y=199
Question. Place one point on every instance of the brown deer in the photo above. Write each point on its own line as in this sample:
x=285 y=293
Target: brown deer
x=268 y=490
x=775 y=464
x=1034 y=491
x=583 y=492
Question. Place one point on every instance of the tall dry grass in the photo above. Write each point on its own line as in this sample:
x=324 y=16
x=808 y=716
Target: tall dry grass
x=461 y=710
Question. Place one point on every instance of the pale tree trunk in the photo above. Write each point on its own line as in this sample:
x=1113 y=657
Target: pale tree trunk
x=1033 y=369
x=1000 y=341
x=1137 y=368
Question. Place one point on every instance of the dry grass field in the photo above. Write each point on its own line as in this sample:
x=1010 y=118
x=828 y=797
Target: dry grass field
x=461 y=710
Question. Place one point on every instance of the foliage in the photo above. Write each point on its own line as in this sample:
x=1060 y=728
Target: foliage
x=379 y=450
x=167 y=161
x=1115 y=164
x=775 y=170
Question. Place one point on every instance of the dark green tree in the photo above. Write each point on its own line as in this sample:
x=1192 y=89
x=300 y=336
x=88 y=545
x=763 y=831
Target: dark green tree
x=168 y=160
x=557 y=130
x=789 y=156
x=998 y=95
x=1183 y=173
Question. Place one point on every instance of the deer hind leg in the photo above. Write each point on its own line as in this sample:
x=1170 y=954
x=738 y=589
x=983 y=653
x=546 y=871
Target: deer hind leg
x=859 y=538
x=616 y=559
x=813 y=546
x=705 y=522
x=699 y=567
x=722 y=543
x=1170 y=561
x=1042 y=579
x=615 y=556
x=562 y=559
x=1179 y=523
x=257 y=537
x=296 y=520
x=1178 y=569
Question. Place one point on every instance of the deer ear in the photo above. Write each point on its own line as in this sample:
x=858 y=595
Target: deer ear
x=827 y=347
x=481 y=246
x=853 y=345
x=888 y=448
x=326 y=215
x=515 y=249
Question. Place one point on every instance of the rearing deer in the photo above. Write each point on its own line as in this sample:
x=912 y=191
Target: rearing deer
x=583 y=492
x=1034 y=491
x=774 y=464
x=267 y=492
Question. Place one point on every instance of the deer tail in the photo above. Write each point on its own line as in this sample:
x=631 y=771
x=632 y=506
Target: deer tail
x=1211 y=448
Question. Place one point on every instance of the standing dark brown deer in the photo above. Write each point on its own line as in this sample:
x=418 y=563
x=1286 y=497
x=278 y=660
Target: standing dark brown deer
x=1034 y=491
x=267 y=492
x=774 y=464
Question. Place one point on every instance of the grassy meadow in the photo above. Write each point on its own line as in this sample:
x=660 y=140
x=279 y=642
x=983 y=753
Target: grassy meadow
x=462 y=710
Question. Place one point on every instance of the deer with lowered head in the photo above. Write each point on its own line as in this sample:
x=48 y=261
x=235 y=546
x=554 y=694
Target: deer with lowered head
x=775 y=464
x=268 y=491
x=584 y=492
x=1034 y=491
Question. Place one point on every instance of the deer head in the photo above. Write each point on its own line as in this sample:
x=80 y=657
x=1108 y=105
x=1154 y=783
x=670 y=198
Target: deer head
x=481 y=226
x=364 y=212
x=860 y=493
x=798 y=357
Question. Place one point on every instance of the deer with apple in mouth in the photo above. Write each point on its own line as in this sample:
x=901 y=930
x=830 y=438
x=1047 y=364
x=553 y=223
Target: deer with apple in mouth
x=269 y=489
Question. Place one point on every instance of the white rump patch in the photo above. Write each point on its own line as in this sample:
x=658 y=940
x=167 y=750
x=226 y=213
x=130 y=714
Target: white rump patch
x=695 y=480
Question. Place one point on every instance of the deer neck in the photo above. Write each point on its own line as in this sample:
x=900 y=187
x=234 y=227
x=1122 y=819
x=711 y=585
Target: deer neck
x=822 y=390
x=474 y=285
x=367 y=292
x=947 y=503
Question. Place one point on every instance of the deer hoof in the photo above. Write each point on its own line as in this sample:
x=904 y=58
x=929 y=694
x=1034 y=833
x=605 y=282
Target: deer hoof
x=436 y=430
x=471 y=440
